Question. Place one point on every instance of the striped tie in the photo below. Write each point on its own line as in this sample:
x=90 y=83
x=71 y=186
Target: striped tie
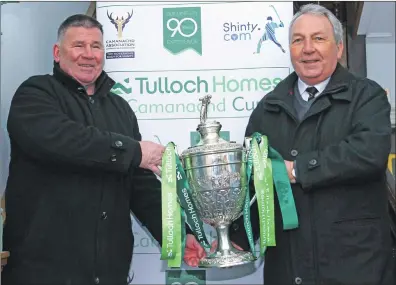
x=311 y=92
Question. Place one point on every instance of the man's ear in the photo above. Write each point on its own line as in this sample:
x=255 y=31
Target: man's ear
x=340 y=48
x=56 y=52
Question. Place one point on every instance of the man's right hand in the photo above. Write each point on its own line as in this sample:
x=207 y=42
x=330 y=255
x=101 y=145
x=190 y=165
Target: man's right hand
x=289 y=167
x=151 y=156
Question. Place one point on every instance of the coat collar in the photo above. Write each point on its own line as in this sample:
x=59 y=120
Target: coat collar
x=339 y=82
x=103 y=84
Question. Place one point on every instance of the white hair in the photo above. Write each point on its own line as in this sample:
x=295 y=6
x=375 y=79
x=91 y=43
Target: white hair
x=318 y=10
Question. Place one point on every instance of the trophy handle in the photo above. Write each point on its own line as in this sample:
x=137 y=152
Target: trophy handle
x=248 y=150
x=254 y=198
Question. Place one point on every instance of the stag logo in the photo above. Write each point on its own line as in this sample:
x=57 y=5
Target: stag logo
x=119 y=23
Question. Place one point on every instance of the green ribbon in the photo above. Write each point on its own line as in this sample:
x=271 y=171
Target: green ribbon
x=172 y=249
x=246 y=206
x=283 y=191
x=265 y=195
x=177 y=209
x=269 y=169
x=177 y=261
x=192 y=218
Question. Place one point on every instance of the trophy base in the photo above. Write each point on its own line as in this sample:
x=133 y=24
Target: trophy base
x=233 y=258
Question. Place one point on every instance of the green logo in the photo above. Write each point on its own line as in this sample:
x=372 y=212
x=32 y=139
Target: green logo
x=182 y=29
x=185 y=277
x=195 y=137
x=121 y=89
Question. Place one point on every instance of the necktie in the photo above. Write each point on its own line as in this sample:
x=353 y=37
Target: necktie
x=311 y=92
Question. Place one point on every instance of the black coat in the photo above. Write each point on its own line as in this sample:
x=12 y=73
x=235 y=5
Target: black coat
x=341 y=149
x=73 y=180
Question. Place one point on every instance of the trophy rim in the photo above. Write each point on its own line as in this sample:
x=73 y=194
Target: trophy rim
x=212 y=149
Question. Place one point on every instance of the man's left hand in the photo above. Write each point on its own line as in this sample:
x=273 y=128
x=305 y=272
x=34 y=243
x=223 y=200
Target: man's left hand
x=289 y=167
x=193 y=252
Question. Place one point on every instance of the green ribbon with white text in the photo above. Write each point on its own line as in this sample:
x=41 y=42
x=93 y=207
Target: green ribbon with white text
x=172 y=249
x=269 y=169
x=263 y=185
x=192 y=217
x=178 y=208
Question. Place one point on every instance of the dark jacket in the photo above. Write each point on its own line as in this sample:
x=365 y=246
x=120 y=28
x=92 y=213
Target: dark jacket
x=341 y=148
x=73 y=180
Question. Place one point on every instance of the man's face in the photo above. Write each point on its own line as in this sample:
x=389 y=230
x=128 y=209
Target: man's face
x=313 y=49
x=80 y=54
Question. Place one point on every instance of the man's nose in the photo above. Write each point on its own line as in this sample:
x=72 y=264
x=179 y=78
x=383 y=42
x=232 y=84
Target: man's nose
x=88 y=52
x=308 y=46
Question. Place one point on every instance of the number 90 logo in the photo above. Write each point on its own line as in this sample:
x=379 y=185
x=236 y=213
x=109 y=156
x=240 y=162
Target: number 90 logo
x=178 y=29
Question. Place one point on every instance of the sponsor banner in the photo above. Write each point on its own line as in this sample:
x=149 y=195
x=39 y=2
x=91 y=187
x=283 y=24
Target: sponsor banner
x=164 y=56
x=235 y=93
x=163 y=98
x=210 y=36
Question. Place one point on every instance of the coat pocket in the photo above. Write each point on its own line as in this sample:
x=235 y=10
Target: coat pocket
x=357 y=252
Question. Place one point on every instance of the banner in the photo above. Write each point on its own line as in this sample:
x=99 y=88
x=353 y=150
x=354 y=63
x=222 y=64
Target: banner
x=165 y=56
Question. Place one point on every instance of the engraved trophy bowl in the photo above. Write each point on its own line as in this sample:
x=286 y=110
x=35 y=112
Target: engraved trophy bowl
x=216 y=172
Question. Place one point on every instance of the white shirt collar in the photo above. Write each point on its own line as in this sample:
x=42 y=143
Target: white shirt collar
x=320 y=86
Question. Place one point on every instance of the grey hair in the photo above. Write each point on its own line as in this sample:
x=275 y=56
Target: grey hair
x=318 y=10
x=78 y=20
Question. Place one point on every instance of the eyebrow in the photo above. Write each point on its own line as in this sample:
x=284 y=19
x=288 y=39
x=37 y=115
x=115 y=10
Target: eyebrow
x=301 y=35
x=77 y=42
x=82 y=42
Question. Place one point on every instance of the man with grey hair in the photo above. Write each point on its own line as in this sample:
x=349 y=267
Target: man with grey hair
x=333 y=130
x=78 y=168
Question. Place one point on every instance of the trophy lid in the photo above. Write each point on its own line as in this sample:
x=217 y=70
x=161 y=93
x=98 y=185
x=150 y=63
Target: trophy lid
x=210 y=141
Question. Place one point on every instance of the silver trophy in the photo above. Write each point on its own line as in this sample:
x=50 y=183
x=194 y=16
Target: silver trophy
x=216 y=172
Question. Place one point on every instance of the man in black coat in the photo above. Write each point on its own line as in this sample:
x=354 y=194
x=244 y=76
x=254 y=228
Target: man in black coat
x=78 y=168
x=333 y=130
